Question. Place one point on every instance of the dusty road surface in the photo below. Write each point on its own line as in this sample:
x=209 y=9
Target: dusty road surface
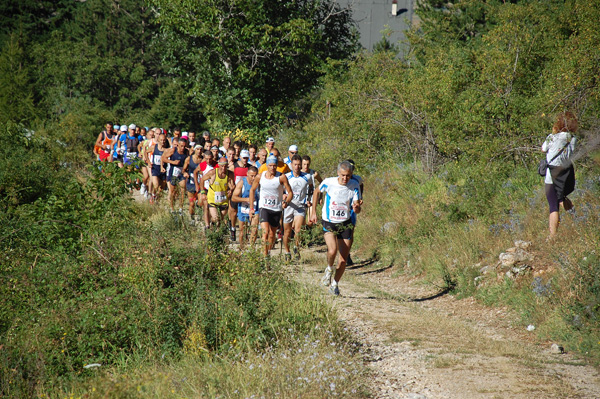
x=420 y=345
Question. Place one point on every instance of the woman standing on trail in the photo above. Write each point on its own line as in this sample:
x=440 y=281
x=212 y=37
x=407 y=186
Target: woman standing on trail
x=560 y=175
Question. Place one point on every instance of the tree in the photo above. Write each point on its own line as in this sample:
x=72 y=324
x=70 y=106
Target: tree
x=16 y=99
x=250 y=60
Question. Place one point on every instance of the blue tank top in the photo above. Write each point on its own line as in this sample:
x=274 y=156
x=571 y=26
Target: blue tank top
x=191 y=168
x=176 y=169
x=156 y=155
x=244 y=207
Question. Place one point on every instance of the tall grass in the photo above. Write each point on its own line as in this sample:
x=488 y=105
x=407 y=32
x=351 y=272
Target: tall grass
x=446 y=227
x=116 y=295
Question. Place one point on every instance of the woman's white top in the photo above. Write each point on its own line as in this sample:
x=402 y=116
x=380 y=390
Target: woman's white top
x=553 y=144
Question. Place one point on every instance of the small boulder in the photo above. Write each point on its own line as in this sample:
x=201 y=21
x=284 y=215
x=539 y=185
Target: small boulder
x=557 y=349
x=525 y=245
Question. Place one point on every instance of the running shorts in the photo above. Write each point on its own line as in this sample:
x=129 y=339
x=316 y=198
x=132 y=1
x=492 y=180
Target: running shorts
x=271 y=217
x=222 y=207
x=157 y=173
x=291 y=211
x=190 y=187
x=344 y=230
x=174 y=180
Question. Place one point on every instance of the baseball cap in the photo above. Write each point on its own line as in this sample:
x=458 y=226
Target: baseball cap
x=185 y=137
x=223 y=161
x=271 y=159
x=214 y=147
x=293 y=147
x=117 y=127
x=123 y=128
x=270 y=140
x=132 y=126
x=244 y=154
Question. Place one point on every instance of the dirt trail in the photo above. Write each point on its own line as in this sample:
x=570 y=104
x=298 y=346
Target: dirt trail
x=423 y=346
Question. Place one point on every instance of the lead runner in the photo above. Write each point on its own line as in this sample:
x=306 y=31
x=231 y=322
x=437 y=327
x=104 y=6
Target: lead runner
x=341 y=195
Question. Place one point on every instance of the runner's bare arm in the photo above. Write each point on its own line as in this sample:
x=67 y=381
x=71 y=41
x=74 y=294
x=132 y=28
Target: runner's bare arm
x=255 y=184
x=311 y=190
x=196 y=171
x=186 y=165
x=206 y=177
x=284 y=180
x=315 y=201
x=230 y=184
x=99 y=140
x=317 y=177
x=166 y=155
x=237 y=192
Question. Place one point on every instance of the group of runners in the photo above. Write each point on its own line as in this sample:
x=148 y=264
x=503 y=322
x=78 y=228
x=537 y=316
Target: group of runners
x=251 y=187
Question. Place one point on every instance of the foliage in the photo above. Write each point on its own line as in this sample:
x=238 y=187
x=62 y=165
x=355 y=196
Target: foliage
x=82 y=283
x=251 y=60
x=16 y=97
x=481 y=83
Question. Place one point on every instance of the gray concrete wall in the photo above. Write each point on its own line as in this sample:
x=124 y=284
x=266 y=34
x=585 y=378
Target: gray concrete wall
x=372 y=16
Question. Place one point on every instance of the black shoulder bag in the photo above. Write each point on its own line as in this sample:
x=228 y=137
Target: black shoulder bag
x=543 y=166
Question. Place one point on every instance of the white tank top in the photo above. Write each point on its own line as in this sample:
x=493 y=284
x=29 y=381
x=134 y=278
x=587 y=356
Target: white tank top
x=271 y=192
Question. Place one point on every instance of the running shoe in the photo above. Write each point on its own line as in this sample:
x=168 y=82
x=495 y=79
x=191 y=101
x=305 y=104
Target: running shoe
x=232 y=234
x=326 y=280
x=334 y=290
x=288 y=257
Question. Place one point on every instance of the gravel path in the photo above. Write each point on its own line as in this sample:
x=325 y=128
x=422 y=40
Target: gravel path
x=423 y=346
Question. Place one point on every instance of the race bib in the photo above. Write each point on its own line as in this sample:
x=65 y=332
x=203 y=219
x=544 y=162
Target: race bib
x=338 y=213
x=270 y=202
x=296 y=198
x=220 y=196
x=156 y=159
x=245 y=208
x=132 y=155
x=176 y=171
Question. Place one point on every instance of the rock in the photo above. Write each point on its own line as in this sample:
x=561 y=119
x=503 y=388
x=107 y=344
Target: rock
x=530 y=327
x=508 y=259
x=477 y=280
x=557 y=349
x=389 y=227
x=525 y=245
x=518 y=270
x=485 y=269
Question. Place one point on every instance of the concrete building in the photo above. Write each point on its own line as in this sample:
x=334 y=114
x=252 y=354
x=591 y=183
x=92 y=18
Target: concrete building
x=373 y=17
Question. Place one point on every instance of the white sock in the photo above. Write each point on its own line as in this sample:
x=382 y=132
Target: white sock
x=333 y=283
x=329 y=269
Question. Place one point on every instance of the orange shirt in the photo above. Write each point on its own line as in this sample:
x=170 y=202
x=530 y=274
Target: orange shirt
x=282 y=167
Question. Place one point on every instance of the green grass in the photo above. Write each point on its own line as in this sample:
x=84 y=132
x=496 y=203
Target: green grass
x=445 y=227
x=146 y=296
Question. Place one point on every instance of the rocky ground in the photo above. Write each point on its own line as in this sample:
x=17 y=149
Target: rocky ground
x=420 y=344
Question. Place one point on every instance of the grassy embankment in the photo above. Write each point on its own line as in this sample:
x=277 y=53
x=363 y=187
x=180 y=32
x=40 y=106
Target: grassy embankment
x=103 y=297
x=445 y=227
